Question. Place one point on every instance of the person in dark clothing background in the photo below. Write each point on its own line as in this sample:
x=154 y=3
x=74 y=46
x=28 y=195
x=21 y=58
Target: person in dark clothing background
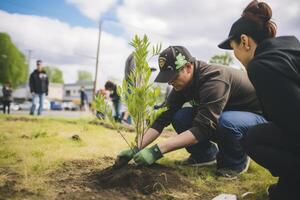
x=7 y=97
x=39 y=84
x=224 y=106
x=273 y=66
x=129 y=68
x=115 y=98
x=83 y=99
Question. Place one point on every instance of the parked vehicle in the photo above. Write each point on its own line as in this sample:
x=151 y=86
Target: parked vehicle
x=14 y=106
x=70 y=106
x=46 y=105
x=26 y=105
x=55 y=105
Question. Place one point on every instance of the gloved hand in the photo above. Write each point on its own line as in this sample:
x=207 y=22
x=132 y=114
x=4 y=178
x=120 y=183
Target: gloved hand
x=148 y=156
x=128 y=153
x=125 y=156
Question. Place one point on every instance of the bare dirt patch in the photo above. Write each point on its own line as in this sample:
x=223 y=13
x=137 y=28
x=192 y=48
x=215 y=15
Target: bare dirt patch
x=9 y=188
x=96 y=179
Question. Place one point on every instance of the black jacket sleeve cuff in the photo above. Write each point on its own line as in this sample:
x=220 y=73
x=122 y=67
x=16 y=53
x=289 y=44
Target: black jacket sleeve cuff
x=198 y=134
x=157 y=126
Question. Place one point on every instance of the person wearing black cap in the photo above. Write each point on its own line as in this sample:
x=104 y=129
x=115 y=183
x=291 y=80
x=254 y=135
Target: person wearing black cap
x=273 y=66
x=224 y=105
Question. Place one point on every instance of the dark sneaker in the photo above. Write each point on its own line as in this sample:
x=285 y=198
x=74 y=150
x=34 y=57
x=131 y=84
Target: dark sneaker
x=271 y=189
x=230 y=174
x=191 y=161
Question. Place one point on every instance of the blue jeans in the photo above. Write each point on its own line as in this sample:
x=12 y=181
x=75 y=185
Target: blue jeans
x=38 y=99
x=232 y=126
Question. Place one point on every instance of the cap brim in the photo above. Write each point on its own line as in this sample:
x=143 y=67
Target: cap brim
x=165 y=76
x=226 y=43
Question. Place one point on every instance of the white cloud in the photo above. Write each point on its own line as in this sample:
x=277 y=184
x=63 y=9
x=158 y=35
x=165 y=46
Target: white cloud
x=199 y=25
x=61 y=45
x=92 y=9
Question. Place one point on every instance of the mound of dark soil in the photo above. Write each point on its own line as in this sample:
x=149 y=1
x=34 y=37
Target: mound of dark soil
x=96 y=179
x=145 y=180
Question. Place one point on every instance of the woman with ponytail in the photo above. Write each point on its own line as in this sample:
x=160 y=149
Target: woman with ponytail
x=273 y=67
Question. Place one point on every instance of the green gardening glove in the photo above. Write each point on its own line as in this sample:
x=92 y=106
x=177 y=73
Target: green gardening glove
x=128 y=153
x=148 y=156
x=125 y=156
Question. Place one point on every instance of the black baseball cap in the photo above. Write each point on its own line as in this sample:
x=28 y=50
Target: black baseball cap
x=170 y=61
x=239 y=27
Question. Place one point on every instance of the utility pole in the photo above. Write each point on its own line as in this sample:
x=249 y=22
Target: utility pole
x=97 y=58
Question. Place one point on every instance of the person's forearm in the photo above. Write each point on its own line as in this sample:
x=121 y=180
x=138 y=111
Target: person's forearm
x=182 y=140
x=149 y=136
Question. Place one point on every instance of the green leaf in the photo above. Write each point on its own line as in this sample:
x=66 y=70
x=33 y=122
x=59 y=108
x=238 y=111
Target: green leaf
x=137 y=93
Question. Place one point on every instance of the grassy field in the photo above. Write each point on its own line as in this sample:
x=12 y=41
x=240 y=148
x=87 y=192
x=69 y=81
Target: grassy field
x=32 y=149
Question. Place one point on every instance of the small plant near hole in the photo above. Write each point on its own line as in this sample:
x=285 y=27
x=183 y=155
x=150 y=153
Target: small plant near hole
x=137 y=93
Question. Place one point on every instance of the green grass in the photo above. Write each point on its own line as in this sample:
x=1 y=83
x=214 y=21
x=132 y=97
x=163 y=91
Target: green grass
x=34 y=147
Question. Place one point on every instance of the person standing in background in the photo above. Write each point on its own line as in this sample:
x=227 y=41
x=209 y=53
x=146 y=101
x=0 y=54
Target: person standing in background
x=129 y=67
x=7 y=97
x=83 y=99
x=39 y=84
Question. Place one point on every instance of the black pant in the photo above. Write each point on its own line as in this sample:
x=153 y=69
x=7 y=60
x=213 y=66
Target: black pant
x=116 y=105
x=279 y=152
x=6 y=104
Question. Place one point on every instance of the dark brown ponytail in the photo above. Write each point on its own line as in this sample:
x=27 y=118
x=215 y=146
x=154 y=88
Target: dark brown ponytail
x=260 y=13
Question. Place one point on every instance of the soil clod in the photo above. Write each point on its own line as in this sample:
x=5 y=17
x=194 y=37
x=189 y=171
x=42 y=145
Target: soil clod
x=98 y=179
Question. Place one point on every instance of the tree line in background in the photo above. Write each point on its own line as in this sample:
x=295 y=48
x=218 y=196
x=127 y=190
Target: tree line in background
x=223 y=59
x=56 y=75
x=13 y=66
x=84 y=75
x=15 y=70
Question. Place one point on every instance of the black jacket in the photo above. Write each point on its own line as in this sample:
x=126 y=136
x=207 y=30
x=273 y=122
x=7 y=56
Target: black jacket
x=83 y=97
x=115 y=98
x=214 y=89
x=275 y=73
x=7 y=93
x=38 y=82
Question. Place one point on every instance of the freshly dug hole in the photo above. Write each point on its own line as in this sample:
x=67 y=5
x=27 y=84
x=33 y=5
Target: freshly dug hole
x=143 y=179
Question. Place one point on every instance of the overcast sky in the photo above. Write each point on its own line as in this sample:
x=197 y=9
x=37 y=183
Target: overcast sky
x=64 y=33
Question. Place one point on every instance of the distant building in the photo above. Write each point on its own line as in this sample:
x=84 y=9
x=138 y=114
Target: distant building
x=72 y=91
x=56 y=91
x=22 y=92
